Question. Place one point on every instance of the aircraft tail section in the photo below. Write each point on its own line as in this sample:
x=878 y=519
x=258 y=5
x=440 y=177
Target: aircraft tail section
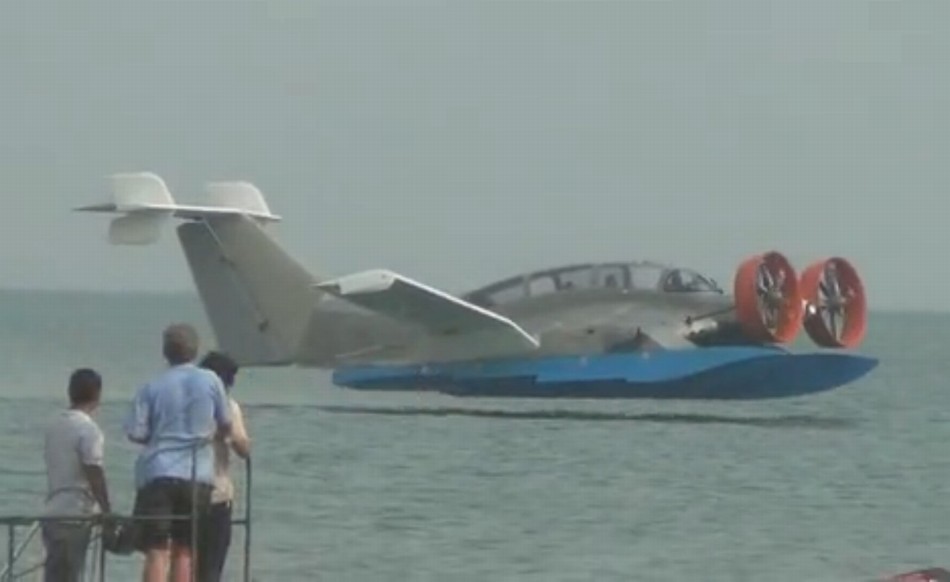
x=139 y=189
x=242 y=196
x=146 y=205
x=258 y=298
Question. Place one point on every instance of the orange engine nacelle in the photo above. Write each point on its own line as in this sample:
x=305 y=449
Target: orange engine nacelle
x=768 y=299
x=835 y=303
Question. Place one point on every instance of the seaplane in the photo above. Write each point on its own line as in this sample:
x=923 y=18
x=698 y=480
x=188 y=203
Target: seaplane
x=606 y=330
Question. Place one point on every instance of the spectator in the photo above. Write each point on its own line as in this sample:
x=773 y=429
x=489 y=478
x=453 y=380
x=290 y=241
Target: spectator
x=175 y=416
x=76 y=482
x=215 y=537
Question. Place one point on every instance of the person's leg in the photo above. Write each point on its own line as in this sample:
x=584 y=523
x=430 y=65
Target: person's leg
x=66 y=546
x=207 y=545
x=151 y=501
x=181 y=563
x=77 y=544
x=56 y=567
x=187 y=500
x=215 y=539
x=156 y=565
x=223 y=521
x=205 y=541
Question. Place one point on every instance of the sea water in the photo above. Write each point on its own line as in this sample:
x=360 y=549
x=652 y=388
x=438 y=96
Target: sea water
x=847 y=485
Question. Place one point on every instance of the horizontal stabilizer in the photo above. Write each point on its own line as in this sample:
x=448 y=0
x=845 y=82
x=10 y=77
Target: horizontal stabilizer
x=137 y=229
x=474 y=331
x=146 y=203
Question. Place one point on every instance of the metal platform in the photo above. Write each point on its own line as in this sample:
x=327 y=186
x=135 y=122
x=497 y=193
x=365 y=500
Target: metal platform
x=96 y=568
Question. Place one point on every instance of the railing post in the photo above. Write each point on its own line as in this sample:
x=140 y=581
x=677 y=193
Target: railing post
x=102 y=552
x=11 y=549
x=194 y=513
x=247 y=520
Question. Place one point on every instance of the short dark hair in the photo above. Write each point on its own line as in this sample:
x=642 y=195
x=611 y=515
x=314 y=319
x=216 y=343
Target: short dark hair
x=85 y=386
x=221 y=364
x=180 y=343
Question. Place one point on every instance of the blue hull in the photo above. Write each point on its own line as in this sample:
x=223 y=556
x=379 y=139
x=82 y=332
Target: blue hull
x=715 y=373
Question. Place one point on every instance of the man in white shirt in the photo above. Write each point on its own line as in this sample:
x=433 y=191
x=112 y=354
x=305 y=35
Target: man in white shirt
x=215 y=535
x=76 y=483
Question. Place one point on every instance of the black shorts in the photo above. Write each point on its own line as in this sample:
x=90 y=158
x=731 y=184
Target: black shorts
x=169 y=497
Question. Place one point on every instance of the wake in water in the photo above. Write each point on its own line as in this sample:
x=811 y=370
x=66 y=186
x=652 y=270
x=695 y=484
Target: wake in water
x=786 y=421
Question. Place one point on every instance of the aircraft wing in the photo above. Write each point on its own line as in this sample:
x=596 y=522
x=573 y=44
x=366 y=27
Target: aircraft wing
x=456 y=325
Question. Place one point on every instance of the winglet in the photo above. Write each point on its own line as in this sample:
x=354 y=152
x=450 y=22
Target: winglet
x=239 y=195
x=145 y=203
x=135 y=191
x=132 y=191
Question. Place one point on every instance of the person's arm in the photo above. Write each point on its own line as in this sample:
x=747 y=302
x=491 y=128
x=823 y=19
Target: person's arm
x=97 y=483
x=91 y=455
x=240 y=441
x=222 y=409
x=136 y=424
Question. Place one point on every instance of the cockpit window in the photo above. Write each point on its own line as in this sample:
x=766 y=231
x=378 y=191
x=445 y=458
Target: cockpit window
x=501 y=293
x=639 y=275
x=611 y=277
x=507 y=294
x=579 y=278
x=541 y=285
x=686 y=281
x=645 y=276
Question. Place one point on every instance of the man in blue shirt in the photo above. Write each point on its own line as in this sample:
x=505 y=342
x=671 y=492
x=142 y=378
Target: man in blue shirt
x=176 y=416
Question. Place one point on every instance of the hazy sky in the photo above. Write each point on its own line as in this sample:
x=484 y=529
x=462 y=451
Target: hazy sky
x=461 y=142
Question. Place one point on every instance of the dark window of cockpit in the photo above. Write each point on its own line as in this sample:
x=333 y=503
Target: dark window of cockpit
x=499 y=293
x=611 y=277
x=577 y=278
x=686 y=281
x=542 y=285
x=508 y=294
x=645 y=276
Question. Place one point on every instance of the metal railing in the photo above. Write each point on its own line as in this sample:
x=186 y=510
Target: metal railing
x=35 y=522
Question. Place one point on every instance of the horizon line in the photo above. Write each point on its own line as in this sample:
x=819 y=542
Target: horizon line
x=193 y=293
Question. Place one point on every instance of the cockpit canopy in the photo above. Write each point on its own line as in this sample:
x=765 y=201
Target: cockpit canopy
x=636 y=276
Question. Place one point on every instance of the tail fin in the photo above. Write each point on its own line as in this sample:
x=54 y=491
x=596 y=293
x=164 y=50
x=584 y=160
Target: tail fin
x=258 y=299
x=146 y=204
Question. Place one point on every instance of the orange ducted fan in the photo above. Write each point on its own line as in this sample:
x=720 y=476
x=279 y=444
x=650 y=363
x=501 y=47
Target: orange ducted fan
x=768 y=302
x=835 y=303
